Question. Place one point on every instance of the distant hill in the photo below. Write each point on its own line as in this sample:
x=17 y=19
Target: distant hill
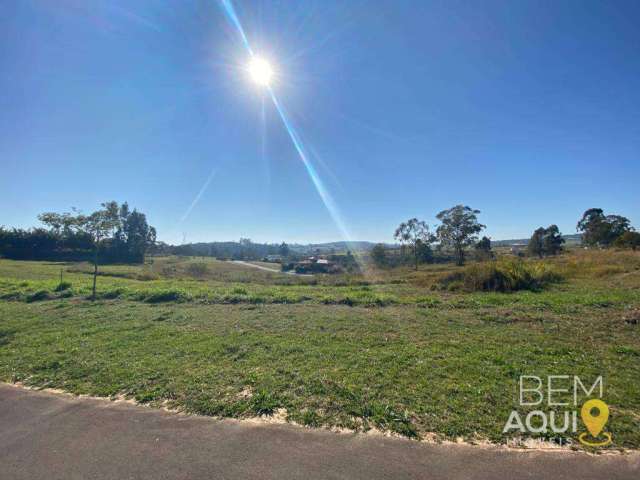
x=334 y=246
x=250 y=250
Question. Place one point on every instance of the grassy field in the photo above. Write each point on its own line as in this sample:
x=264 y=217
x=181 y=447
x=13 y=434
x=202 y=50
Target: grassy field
x=388 y=349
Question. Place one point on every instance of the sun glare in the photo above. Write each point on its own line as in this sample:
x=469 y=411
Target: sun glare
x=260 y=71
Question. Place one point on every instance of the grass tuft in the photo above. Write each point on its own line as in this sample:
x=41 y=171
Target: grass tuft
x=501 y=276
x=38 y=296
x=169 y=295
x=63 y=286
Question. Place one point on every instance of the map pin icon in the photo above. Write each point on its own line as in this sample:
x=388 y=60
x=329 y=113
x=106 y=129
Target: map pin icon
x=594 y=423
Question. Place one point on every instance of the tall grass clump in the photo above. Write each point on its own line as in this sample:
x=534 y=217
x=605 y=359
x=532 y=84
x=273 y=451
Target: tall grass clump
x=197 y=269
x=62 y=286
x=505 y=275
x=164 y=295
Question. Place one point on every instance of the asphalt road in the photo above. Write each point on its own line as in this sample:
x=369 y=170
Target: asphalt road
x=49 y=436
x=248 y=264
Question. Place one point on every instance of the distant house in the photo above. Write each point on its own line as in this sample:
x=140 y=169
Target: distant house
x=315 y=265
x=518 y=249
x=273 y=258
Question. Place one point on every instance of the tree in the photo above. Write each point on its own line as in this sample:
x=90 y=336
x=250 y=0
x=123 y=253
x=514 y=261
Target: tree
x=99 y=225
x=459 y=229
x=53 y=220
x=535 y=247
x=414 y=233
x=424 y=251
x=114 y=232
x=628 y=239
x=545 y=241
x=284 y=250
x=64 y=226
x=67 y=237
x=617 y=226
x=600 y=230
x=552 y=241
x=592 y=225
x=133 y=235
x=379 y=255
x=483 y=248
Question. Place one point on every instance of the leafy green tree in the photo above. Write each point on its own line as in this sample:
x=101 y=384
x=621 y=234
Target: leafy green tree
x=628 y=239
x=113 y=232
x=379 y=255
x=53 y=220
x=425 y=252
x=552 y=241
x=600 y=230
x=483 y=248
x=459 y=229
x=65 y=227
x=617 y=226
x=349 y=262
x=98 y=226
x=67 y=237
x=545 y=241
x=535 y=247
x=283 y=250
x=414 y=233
x=135 y=234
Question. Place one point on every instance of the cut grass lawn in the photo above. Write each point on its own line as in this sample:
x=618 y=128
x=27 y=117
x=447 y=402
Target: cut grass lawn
x=426 y=362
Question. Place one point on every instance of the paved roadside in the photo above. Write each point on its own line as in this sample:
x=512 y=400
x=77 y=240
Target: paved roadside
x=49 y=436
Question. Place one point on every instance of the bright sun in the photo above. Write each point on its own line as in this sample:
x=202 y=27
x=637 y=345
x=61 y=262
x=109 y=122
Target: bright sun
x=260 y=71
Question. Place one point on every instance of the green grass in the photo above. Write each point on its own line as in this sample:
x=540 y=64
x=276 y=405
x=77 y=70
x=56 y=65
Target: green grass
x=383 y=351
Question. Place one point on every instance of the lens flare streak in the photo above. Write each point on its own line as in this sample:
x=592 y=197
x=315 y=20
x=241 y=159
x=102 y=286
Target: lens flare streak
x=198 y=196
x=315 y=178
x=235 y=21
x=328 y=201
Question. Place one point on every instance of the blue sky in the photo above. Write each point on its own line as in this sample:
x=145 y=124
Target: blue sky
x=528 y=111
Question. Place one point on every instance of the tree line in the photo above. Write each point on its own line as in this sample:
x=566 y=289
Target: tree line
x=458 y=236
x=114 y=232
x=244 y=249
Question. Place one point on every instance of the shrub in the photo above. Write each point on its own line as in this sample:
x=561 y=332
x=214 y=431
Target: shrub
x=427 y=302
x=111 y=294
x=169 y=271
x=501 y=276
x=160 y=296
x=628 y=240
x=37 y=296
x=147 y=276
x=197 y=269
x=63 y=286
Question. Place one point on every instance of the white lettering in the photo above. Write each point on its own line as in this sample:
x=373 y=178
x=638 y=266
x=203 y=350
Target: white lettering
x=514 y=422
x=537 y=390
